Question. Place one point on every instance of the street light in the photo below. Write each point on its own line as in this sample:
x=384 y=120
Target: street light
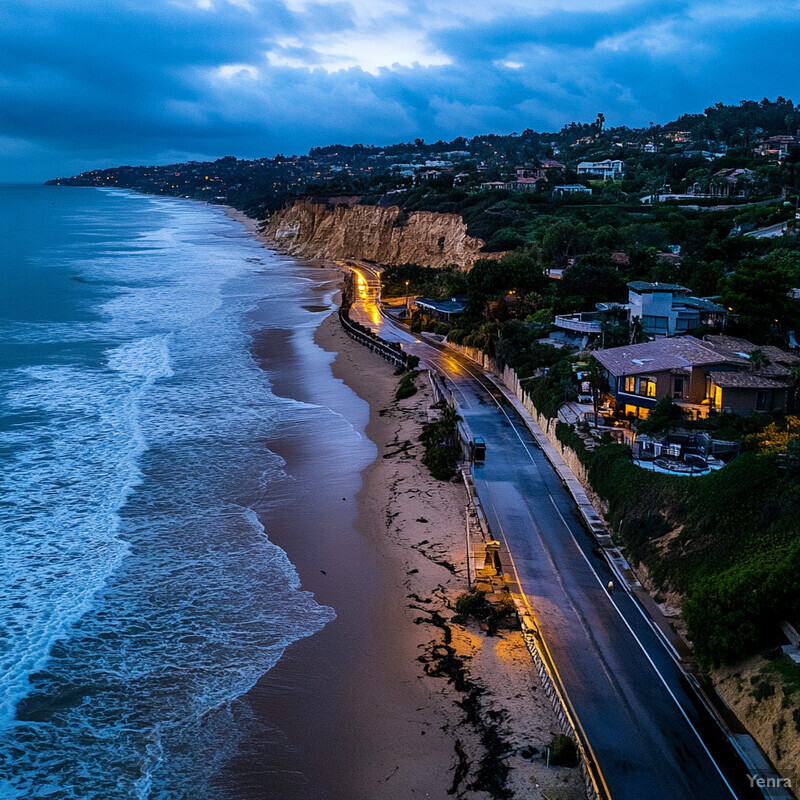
x=407 y=311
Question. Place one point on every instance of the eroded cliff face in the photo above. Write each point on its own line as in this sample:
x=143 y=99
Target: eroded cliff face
x=315 y=229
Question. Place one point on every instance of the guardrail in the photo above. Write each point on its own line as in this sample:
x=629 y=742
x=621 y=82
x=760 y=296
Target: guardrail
x=391 y=351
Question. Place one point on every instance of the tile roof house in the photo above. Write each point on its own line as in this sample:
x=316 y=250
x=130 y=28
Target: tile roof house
x=712 y=374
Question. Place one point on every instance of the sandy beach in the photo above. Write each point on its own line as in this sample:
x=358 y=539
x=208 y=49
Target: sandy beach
x=390 y=700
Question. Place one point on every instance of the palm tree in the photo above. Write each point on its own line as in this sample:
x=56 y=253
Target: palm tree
x=601 y=118
x=598 y=381
x=758 y=359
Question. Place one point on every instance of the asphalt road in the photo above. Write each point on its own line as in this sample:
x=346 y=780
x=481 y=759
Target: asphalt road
x=648 y=734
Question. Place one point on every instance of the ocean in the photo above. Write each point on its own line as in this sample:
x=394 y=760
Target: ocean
x=141 y=597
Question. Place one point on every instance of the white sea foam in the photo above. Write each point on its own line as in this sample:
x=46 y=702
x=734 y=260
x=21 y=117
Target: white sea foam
x=143 y=596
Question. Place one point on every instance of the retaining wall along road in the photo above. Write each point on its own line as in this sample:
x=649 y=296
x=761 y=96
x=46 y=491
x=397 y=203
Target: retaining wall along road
x=389 y=350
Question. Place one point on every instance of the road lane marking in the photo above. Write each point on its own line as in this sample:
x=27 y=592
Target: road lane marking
x=644 y=650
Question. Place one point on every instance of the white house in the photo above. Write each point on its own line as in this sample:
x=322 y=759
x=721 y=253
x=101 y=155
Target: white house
x=665 y=309
x=610 y=169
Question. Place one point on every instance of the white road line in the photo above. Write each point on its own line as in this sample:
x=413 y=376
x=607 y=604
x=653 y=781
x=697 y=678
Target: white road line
x=644 y=650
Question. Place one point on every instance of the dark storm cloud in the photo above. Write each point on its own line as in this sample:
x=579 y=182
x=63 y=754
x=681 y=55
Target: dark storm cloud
x=120 y=81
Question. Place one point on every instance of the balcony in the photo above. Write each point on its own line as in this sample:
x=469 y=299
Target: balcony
x=586 y=322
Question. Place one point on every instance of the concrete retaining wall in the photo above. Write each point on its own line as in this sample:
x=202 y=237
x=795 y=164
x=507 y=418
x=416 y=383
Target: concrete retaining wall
x=548 y=426
x=536 y=648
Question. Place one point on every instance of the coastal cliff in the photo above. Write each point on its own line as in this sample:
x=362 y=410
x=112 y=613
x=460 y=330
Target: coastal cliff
x=343 y=228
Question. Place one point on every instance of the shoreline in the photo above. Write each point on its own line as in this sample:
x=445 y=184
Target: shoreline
x=390 y=700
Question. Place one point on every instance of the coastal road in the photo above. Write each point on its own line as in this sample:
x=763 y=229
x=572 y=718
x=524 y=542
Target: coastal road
x=648 y=734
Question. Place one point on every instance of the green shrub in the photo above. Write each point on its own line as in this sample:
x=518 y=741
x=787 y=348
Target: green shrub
x=563 y=751
x=406 y=387
x=473 y=604
x=441 y=461
x=762 y=690
x=566 y=434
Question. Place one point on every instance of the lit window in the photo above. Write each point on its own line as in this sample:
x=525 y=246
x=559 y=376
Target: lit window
x=630 y=385
x=648 y=388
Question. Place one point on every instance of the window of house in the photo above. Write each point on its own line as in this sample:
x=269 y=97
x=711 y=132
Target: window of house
x=630 y=385
x=677 y=387
x=647 y=388
x=655 y=325
x=761 y=400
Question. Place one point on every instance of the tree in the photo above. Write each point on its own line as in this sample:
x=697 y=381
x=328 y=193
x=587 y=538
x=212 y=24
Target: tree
x=519 y=271
x=598 y=383
x=758 y=359
x=594 y=280
x=664 y=415
x=758 y=292
x=562 y=240
x=601 y=118
x=794 y=389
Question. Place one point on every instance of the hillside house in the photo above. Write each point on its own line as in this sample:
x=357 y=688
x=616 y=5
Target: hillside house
x=714 y=374
x=666 y=309
x=571 y=188
x=610 y=169
x=776 y=147
x=731 y=182
x=444 y=310
x=662 y=310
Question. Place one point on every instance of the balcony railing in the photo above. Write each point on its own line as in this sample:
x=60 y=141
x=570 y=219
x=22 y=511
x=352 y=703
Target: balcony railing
x=588 y=322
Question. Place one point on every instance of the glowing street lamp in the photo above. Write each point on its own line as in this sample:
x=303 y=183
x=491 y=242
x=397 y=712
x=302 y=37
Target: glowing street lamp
x=408 y=313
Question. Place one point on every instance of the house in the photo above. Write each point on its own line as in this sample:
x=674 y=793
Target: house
x=731 y=182
x=775 y=146
x=666 y=309
x=444 y=310
x=610 y=169
x=549 y=164
x=662 y=310
x=679 y=137
x=714 y=374
x=431 y=173
x=571 y=188
x=581 y=330
x=525 y=184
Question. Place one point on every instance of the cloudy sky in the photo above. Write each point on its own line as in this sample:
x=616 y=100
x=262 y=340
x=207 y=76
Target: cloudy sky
x=88 y=83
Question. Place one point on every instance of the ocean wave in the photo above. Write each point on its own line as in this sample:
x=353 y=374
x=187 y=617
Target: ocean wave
x=144 y=595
